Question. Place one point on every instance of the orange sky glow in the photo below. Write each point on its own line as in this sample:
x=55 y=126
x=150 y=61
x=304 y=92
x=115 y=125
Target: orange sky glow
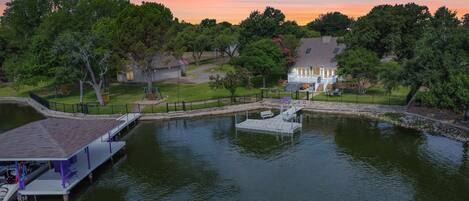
x=302 y=11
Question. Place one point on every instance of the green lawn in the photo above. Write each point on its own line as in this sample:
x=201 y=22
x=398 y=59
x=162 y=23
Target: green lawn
x=19 y=91
x=193 y=92
x=119 y=94
x=130 y=93
x=376 y=95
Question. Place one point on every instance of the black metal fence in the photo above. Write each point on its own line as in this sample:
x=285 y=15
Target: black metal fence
x=382 y=99
x=95 y=108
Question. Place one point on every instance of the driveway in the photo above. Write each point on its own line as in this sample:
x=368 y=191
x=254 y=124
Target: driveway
x=201 y=74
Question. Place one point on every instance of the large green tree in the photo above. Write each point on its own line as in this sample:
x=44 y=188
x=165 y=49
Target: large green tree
x=143 y=32
x=263 y=58
x=441 y=61
x=360 y=65
x=227 y=41
x=452 y=94
x=391 y=75
x=331 y=24
x=22 y=17
x=260 y=25
x=34 y=59
x=231 y=81
x=82 y=53
x=19 y=22
x=390 y=30
x=208 y=23
x=196 y=39
x=292 y=28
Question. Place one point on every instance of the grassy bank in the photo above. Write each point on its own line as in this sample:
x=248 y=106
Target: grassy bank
x=376 y=95
x=128 y=93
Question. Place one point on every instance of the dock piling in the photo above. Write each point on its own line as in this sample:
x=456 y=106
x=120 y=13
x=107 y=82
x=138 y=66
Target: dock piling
x=65 y=197
x=90 y=177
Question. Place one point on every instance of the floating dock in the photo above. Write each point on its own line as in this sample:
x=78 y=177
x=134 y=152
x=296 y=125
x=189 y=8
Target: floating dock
x=284 y=123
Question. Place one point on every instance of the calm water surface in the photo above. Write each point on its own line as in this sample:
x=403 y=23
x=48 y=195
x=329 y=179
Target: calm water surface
x=14 y=115
x=335 y=158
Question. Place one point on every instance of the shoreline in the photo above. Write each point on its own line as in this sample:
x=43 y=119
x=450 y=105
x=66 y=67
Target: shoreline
x=396 y=115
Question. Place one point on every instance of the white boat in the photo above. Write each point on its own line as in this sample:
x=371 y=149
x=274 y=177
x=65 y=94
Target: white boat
x=8 y=191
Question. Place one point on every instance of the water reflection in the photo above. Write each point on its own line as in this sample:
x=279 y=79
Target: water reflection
x=336 y=158
x=430 y=163
x=158 y=166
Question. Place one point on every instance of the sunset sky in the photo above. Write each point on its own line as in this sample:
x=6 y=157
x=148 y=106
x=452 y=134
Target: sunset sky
x=302 y=11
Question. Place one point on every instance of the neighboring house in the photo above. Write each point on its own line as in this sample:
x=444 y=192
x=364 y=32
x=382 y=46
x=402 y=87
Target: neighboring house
x=163 y=68
x=315 y=68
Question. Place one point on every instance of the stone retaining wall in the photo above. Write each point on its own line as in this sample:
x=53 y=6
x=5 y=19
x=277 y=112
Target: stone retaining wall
x=422 y=123
x=380 y=112
x=51 y=113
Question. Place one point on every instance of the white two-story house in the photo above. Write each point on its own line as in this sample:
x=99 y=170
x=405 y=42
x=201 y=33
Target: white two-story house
x=316 y=67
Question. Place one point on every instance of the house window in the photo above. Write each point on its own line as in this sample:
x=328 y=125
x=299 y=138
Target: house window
x=130 y=75
x=308 y=50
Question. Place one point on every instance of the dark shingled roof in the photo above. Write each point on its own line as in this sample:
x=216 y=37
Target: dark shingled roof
x=52 y=138
x=315 y=52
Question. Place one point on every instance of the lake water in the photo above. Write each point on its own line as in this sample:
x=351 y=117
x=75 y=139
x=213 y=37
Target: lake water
x=15 y=115
x=335 y=158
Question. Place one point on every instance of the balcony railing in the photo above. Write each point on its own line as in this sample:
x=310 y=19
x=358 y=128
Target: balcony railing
x=296 y=78
x=310 y=79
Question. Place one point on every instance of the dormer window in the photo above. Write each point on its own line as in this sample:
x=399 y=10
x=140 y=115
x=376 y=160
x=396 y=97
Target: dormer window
x=336 y=50
x=308 y=50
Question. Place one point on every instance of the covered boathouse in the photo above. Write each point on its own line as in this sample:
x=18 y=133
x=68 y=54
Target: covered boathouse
x=70 y=148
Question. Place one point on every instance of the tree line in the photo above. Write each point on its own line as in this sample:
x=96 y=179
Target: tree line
x=405 y=45
x=86 y=42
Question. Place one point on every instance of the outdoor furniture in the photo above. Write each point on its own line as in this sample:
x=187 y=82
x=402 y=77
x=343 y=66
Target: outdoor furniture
x=267 y=114
x=3 y=192
x=337 y=92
